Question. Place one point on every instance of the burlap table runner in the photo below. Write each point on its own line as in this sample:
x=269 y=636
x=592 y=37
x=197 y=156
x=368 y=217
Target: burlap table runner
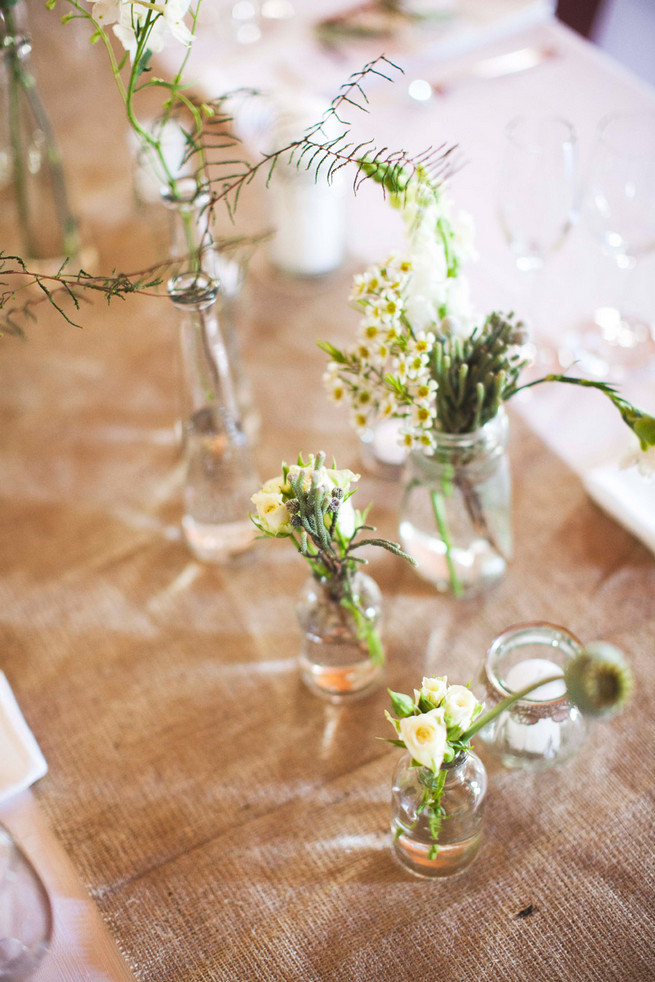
x=229 y=825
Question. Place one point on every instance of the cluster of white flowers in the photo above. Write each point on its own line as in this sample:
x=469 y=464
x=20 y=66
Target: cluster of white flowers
x=272 y=513
x=163 y=20
x=427 y=734
x=406 y=303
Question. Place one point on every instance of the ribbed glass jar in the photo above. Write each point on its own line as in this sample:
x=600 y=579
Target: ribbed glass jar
x=544 y=728
x=456 y=509
x=460 y=831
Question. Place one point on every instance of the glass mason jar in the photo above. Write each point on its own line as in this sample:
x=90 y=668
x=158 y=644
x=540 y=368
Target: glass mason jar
x=35 y=219
x=192 y=243
x=455 y=518
x=220 y=473
x=544 y=728
x=341 y=653
x=459 y=835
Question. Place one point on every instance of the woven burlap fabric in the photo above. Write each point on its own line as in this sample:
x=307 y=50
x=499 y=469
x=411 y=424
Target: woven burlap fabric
x=229 y=825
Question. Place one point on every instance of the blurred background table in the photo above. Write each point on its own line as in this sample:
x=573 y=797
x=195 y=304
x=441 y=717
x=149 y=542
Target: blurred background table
x=225 y=823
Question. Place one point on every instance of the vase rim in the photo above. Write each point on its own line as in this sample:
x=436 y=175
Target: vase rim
x=191 y=289
x=494 y=683
x=470 y=437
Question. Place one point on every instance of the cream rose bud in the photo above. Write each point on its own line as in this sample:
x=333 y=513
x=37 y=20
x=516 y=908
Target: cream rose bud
x=459 y=706
x=434 y=689
x=346 y=519
x=273 y=486
x=425 y=737
x=272 y=512
x=343 y=479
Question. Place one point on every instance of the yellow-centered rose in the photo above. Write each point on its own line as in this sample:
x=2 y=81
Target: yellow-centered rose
x=425 y=737
x=434 y=689
x=272 y=512
x=459 y=706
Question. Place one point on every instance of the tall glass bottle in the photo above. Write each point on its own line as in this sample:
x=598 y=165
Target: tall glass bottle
x=192 y=243
x=35 y=219
x=220 y=473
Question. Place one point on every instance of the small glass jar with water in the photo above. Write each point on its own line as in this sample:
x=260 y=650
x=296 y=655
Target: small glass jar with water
x=461 y=808
x=455 y=516
x=341 y=653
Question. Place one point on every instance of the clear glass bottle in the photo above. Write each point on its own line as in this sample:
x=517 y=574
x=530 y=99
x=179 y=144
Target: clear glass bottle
x=460 y=833
x=220 y=473
x=193 y=244
x=35 y=219
x=341 y=654
x=544 y=728
x=455 y=516
x=26 y=920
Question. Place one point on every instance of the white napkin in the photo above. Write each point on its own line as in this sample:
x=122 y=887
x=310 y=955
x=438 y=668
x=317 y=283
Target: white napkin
x=627 y=496
x=21 y=761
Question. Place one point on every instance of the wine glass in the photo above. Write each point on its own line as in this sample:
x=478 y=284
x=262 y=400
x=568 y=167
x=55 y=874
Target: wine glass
x=25 y=913
x=619 y=210
x=538 y=195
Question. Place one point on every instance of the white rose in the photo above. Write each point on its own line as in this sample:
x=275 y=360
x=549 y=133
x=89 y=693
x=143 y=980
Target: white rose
x=434 y=689
x=459 y=706
x=343 y=479
x=425 y=737
x=272 y=512
x=273 y=486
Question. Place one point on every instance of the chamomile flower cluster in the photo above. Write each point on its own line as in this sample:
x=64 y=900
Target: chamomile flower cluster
x=407 y=303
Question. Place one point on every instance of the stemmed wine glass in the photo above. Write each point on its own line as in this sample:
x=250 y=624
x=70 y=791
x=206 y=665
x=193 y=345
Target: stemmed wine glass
x=538 y=194
x=25 y=913
x=619 y=210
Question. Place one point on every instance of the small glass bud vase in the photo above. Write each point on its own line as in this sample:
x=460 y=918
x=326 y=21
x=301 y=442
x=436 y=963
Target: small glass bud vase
x=220 y=472
x=341 y=654
x=456 y=511
x=460 y=818
x=544 y=728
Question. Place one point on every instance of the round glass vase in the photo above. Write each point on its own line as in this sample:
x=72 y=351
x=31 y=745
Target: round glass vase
x=460 y=824
x=341 y=653
x=455 y=517
x=544 y=728
x=219 y=468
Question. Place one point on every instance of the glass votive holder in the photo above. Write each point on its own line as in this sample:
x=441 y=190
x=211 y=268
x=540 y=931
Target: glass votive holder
x=544 y=727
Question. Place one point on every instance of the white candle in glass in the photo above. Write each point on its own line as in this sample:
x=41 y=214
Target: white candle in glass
x=541 y=737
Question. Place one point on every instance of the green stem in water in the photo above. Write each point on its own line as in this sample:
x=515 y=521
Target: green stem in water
x=442 y=525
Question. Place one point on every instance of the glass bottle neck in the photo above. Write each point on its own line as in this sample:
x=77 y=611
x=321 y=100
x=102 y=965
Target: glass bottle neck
x=190 y=234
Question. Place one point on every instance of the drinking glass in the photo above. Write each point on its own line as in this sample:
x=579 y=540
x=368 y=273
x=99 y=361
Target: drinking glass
x=538 y=195
x=619 y=210
x=25 y=913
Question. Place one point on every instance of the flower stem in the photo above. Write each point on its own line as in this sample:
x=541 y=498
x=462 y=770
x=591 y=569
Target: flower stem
x=505 y=704
x=442 y=525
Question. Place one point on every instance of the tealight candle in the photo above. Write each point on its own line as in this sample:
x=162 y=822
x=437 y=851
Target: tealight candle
x=526 y=672
x=541 y=737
